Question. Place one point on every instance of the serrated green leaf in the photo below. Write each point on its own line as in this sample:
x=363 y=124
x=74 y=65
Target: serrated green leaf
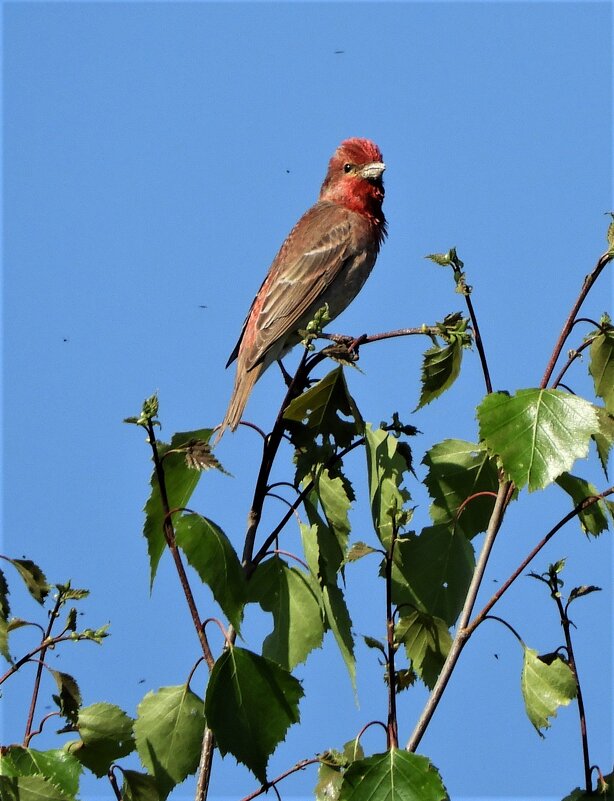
x=395 y=775
x=332 y=766
x=339 y=621
x=358 y=550
x=320 y=406
x=601 y=367
x=211 y=554
x=33 y=577
x=106 y=735
x=335 y=494
x=327 y=554
x=580 y=592
x=458 y=470
x=293 y=597
x=5 y=610
x=139 y=787
x=250 y=704
x=387 y=467
x=545 y=687
x=427 y=643
x=69 y=698
x=180 y=480
x=30 y=788
x=59 y=768
x=593 y=519
x=440 y=368
x=431 y=573
x=537 y=433
x=604 y=439
x=372 y=642
x=168 y=732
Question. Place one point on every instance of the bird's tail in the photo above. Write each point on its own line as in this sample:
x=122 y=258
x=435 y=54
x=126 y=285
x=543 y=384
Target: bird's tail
x=244 y=383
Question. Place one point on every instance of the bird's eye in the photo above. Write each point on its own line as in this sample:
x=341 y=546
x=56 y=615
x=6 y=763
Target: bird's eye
x=347 y=168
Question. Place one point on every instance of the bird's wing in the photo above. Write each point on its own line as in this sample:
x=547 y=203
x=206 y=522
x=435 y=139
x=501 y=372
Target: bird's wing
x=308 y=262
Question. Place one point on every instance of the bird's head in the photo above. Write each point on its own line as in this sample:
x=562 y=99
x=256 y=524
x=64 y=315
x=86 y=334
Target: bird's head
x=354 y=178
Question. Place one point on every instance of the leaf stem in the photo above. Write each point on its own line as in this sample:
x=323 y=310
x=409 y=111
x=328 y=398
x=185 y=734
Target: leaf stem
x=569 y=323
x=265 y=787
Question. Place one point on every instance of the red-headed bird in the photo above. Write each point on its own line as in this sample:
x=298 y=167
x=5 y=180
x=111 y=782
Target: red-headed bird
x=326 y=258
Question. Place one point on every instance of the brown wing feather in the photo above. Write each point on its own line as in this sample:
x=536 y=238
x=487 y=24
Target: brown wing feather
x=306 y=265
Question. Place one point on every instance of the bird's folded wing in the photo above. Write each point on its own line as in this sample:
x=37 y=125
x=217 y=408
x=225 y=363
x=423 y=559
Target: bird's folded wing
x=307 y=264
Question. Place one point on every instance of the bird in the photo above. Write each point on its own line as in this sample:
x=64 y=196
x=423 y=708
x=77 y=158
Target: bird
x=325 y=259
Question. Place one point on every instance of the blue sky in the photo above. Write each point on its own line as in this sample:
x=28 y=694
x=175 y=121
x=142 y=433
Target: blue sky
x=155 y=156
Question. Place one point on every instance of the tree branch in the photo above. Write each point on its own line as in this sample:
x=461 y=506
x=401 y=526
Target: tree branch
x=569 y=323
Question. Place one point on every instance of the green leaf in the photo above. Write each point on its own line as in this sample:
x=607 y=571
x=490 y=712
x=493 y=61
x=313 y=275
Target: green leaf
x=427 y=643
x=335 y=494
x=339 y=621
x=33 y=577
x=168 y=731
x=332 y=767
x=139 y=787
x=180 y=479
x=537 y=433
x=593 y=518
x=386 y=466
x=580 y=592
x=250 y=704
x=30 y=788
x=69 y=698
x=324 y=550
x=106 y=735
x=545 y=687
x=293 y=597
x=211 y=554
x=358 y=550
x=5 y=610
x=440 y=369
x=60 y=769
x=604 y=439
x=431 y=573
x=457 y=470
x=601 y=367
x=320 y=406
x=396 y=775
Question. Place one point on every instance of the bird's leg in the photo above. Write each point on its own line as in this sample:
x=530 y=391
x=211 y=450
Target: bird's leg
x=284 y=372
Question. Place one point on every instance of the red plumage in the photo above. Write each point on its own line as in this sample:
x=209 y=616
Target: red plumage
x=326 y=258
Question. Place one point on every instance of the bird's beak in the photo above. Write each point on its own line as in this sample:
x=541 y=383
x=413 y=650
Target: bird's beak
x=372 y=171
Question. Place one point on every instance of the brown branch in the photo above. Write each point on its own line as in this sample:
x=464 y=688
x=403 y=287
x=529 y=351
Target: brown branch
x=478 y=343
x=584 y=504
x=299 y=766
x=169 y=535
x=569 y=323
x=461 y=637
x=45 y=643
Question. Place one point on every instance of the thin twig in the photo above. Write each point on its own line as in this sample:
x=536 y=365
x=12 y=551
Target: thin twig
x=114 y=784
x=299 y=766
x=575 y=355
x=494 y=524
x=169 y=535
x=478 y=343
x=566 y=624
x=569 y=323
x=46 y=642
x=584 y=504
